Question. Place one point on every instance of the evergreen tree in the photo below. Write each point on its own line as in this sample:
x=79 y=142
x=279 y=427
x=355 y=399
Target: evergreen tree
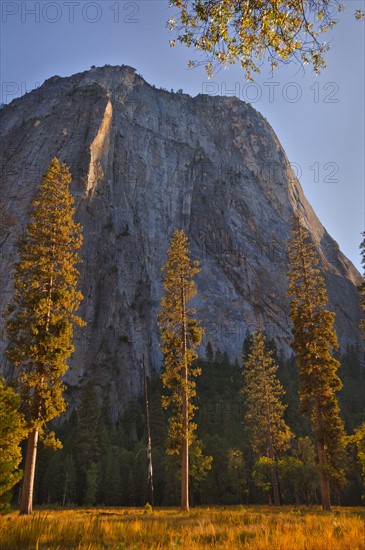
x=158 y=420
x=237 y=475
x=131 y=489
x=126 y=460
x=180 y=335
x=86 y=441
x=12 y=431
x=358 y=440
x=92 y=485
x=352 y=396
x=264 y=417
x=112 y=482
x=68 y=480
x=314 y=340
x=40 y=326
x=199 y=464
x=52 y=480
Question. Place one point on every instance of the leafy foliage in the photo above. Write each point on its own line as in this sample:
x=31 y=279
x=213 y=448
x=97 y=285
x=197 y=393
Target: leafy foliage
x=12 y=431
x=245 y=32
x=262 y=473
x=358 y=440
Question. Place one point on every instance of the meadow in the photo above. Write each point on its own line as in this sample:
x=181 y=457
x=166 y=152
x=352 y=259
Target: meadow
x=256 y=527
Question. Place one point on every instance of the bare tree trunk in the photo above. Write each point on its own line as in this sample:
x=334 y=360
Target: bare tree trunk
x=325 y=492
x=26 y=503
x=185 y=418
x=150 y=496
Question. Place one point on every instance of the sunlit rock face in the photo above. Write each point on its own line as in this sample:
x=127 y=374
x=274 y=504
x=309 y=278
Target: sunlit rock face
x=145 y=162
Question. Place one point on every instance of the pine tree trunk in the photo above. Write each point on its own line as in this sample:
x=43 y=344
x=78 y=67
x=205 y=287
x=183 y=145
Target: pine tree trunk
x=325 y=492
x=274 y=477
x=150 y=496
x=26 y=503
x=185 y=418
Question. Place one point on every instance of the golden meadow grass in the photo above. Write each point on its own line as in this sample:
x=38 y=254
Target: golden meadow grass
x=253 y=527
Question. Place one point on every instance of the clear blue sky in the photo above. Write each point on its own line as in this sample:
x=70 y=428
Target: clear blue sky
x=319 y=120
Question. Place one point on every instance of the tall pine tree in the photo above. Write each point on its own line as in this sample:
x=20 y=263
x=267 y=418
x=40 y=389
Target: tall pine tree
x=314 y=340
x=264 y=417
x=180 y=335
x=41 y=314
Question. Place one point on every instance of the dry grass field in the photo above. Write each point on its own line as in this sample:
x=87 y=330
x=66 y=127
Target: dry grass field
x=256 y=527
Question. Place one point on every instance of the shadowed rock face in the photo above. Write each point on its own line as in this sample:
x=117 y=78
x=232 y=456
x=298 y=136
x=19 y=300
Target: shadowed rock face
x=145 y=162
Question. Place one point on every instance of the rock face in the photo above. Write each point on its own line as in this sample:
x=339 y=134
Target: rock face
x=145 y=162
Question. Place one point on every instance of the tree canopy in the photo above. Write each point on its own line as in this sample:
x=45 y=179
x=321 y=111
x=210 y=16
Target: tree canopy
x=247 y=31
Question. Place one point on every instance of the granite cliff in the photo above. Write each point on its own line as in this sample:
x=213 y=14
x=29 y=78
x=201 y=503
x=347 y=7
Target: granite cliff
x=144 y=162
